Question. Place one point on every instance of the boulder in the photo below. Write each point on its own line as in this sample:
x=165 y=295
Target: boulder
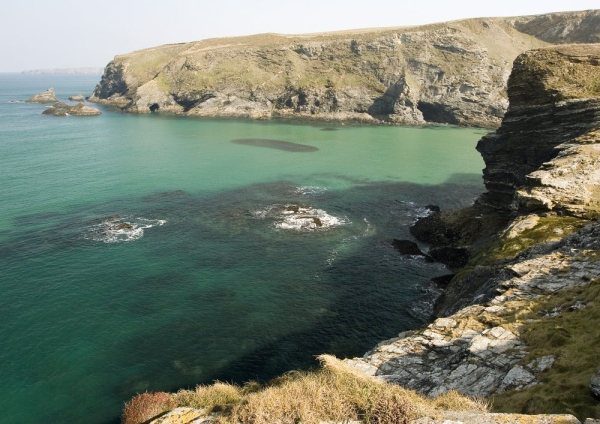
x=62 y=109
x=48 y=96
x=595 y=385
x=78 y=98
x=407 y=247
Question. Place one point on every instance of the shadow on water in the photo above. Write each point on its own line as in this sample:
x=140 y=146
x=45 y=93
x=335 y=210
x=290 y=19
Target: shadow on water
x=237 y=299
x=275 y=144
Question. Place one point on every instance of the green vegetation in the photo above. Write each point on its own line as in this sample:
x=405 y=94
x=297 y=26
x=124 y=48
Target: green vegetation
x=548 y=229
x=334 y=393
x=573 y=337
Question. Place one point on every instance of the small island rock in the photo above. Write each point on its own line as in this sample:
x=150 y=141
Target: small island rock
x=78 y=98
x=48 y=96
x=62 y=109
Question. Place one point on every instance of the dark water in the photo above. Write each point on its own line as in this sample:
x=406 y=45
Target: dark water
x=152 y=253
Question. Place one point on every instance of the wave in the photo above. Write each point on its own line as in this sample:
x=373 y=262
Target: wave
x=310 y=190
x=297 y=218
x=117 y=229
x=335 y=252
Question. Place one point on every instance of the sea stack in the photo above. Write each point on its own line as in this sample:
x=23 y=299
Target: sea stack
x=48 y=96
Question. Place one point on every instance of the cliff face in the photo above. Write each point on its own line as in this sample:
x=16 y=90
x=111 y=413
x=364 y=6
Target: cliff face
x=452 y=73
x=519 y=321
x=544 y=157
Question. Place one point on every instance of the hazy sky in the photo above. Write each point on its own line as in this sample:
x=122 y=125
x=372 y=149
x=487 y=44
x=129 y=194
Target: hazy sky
x=71 y=33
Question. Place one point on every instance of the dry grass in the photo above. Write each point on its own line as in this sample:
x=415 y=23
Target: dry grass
x=216 y=396
x=334 y=393
x=146 y=406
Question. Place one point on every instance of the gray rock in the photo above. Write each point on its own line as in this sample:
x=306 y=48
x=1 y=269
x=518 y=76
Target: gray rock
x=595 y=385
x=48 y=96
x=62 y=109
x=77 y=98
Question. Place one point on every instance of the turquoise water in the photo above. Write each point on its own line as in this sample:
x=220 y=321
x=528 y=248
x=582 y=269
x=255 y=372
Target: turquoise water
x=145 y=253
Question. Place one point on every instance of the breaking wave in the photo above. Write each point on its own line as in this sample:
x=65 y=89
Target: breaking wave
x=310 y=190
x=118 y=229
x=297 y=218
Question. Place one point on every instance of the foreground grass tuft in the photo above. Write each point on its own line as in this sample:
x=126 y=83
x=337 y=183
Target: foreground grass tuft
x=334 y=393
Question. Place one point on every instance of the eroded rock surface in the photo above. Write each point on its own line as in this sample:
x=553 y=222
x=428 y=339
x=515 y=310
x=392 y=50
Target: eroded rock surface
x=545 y=155
x=463 y=351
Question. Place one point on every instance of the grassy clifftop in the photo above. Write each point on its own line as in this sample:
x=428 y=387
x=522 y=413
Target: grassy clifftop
x=453 y=72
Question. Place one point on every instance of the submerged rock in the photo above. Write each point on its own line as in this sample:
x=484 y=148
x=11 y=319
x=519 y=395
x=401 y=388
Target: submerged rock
x=48 y=96
x=62 y=109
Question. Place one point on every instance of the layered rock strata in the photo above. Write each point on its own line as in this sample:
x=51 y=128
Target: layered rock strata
x=451 y=73
x=545 y=156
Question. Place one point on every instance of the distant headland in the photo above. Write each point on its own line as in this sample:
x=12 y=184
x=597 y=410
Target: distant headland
x=66 y=71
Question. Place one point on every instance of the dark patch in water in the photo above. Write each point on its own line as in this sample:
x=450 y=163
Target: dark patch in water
x=275 y=144
x=166 y=195
x=329 y=129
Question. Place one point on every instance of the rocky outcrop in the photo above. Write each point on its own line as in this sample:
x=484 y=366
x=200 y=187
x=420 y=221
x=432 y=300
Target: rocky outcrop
x=62 y=109
x=452 y=73
x=467 y=351
x=563 y=28
x=48 y=96
x=531 y=241
x=77 y=98
x=545 y=155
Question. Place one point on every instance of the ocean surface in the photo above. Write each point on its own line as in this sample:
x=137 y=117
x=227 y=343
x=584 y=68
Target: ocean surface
x=147 y=252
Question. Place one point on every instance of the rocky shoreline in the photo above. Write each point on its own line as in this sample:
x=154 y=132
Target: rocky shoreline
x=533 y=245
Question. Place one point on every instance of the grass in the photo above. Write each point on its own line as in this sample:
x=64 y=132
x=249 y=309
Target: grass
x=333 y=393
x=574 y=338
x=548 y=229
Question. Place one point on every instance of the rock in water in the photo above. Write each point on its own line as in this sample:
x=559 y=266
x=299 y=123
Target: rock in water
x=595 y=385
x=48 y=96
x=407 y=247
x=62 y=109
x=77 y=98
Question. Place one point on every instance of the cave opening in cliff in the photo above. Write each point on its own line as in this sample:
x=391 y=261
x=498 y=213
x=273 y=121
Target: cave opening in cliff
x=154 y=107
x=436 y=112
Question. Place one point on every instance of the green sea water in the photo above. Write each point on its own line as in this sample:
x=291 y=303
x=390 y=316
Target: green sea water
x=147 y=252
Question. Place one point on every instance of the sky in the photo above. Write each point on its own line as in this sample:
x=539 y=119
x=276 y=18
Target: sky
x=37 y=34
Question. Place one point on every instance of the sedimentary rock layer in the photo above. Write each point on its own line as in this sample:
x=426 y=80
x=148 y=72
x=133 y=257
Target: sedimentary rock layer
x=544 y=157
x=452 y=73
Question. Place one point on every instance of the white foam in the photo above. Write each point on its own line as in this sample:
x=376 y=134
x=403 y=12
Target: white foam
x=310 y=190
x=296 y=218
x=119 y=229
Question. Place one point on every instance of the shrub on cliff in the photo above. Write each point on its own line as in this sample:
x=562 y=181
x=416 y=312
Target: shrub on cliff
x=145 y=406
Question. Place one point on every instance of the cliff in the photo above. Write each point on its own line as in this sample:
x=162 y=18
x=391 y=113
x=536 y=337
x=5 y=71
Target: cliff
x=452 y=73
x=518 y=322
x=553 y=117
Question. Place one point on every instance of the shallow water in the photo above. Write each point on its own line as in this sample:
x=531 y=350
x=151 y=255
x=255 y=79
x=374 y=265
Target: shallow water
x=153 y=253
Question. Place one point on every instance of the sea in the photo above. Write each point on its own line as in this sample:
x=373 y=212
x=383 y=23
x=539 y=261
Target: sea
x=154 y=253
